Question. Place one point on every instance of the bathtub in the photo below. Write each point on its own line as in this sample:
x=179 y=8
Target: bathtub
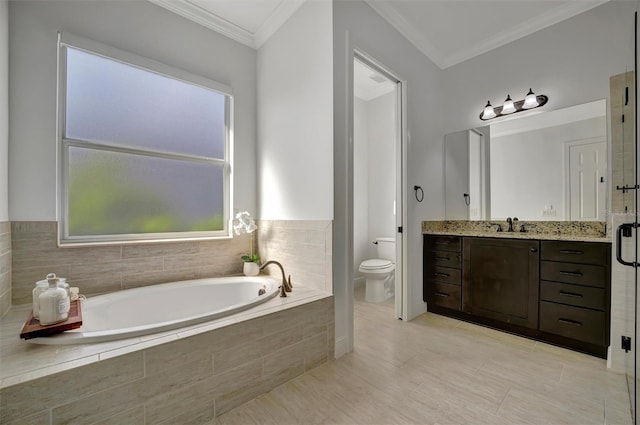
x=156 y=308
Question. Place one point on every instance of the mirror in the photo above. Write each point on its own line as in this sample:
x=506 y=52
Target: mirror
x=545 y=166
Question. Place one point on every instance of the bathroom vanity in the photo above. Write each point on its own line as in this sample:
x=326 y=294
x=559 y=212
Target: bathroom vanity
x=557 y=291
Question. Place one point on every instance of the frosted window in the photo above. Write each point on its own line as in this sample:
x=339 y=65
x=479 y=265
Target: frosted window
x=143 y=155
x=113 y=193
x=109 y=101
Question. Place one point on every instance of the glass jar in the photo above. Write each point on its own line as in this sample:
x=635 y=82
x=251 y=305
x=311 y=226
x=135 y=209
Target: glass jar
x=41 y=286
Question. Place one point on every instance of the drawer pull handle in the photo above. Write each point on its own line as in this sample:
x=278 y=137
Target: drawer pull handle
x=571 y=251
x=443 y=258
x=443 y=274
x=570 y=322
x=571 y=273
x=570 y=294
x=441 y=294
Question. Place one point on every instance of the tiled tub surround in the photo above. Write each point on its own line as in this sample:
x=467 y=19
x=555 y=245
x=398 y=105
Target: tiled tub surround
x=189 y=376
x=102 y=269
x=304 y=247
x=5 y=267
x=553 y=230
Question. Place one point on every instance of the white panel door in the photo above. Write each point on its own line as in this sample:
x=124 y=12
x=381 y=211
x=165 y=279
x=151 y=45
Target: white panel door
x=587 y=171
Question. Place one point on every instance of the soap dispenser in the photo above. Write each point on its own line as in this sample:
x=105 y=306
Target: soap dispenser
x=54 y=303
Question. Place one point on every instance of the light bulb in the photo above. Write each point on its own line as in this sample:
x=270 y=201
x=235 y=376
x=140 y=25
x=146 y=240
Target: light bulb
x=531 y=101
x=508 y=107
x=488 y=112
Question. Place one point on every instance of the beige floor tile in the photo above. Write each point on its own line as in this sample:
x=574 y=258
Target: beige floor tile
x=441 y=371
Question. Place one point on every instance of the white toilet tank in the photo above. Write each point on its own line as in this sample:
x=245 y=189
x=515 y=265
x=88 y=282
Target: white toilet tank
x=386 y=248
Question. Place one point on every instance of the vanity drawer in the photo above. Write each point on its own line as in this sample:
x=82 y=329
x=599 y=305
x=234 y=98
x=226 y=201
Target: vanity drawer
x=443 y=275
x=579 y=274
x=445 y=295
x=443 y=243
x=573 y=322
x=576 y=295
x=575 y=252
x=445 y=259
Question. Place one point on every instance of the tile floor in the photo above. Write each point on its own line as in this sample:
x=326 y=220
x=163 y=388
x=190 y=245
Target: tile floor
x=436 y=370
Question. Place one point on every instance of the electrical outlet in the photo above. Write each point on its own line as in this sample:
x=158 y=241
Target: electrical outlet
x=626 y=343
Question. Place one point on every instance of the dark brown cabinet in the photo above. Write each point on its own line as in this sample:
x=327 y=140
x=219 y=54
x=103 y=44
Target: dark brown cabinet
x=574 y=292
x=554 y=291
x=500 y=280
x=442 y=271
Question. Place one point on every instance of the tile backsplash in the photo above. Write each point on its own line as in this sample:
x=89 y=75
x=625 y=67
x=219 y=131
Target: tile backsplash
x=101 y=269
x=303 y=247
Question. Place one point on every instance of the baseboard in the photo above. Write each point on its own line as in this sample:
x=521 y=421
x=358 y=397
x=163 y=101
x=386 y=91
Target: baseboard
x=359 y=282
x=341 y=347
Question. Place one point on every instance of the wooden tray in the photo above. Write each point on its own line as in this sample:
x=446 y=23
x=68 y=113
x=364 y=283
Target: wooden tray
x=33 y=329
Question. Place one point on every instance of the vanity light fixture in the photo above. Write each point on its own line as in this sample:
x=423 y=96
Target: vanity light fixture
x=531 y=101
x=488 y=112
x=507 y=107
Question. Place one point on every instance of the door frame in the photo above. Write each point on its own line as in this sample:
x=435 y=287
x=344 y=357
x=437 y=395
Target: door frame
x=567 y=171
x=401 y=280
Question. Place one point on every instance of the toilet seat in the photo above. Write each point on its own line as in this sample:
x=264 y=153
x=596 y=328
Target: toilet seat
x=377 y=266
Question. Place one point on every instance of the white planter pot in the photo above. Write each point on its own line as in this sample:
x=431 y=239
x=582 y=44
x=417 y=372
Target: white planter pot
x=251 y=269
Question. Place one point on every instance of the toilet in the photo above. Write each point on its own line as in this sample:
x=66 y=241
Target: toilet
x=380 y=272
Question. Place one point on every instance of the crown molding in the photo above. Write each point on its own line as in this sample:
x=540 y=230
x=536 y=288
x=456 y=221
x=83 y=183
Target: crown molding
x=407 y=30
x=280 y=15
x=528 y=27
x=207 y=19
x=553 y=16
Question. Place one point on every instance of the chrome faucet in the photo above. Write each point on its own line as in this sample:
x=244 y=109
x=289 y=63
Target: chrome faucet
x=286 y=284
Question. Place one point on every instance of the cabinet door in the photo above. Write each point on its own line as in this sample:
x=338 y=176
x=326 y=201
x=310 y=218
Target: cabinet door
x=500 y=280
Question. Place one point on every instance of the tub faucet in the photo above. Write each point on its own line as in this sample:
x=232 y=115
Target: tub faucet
x=286 y=284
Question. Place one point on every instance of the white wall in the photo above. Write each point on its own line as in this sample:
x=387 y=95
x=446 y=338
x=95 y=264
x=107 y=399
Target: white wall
x=295 y=139
x=4 y=110
x=139 y=27
x=382 y=131
x=570 y=62
x=361 y=243
x=357 y=25
x=374 y=174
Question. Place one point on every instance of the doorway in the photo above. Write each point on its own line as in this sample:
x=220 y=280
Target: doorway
x=377 y=175
x=586 y=168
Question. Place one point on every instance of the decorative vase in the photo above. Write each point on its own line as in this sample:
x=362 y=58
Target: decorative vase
x=251 y=269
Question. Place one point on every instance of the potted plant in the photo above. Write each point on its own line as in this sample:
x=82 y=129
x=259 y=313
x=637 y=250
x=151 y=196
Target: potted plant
x=244 y=223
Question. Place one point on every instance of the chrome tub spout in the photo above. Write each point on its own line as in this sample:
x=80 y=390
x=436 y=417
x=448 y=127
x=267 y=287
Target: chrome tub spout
x=286 y=284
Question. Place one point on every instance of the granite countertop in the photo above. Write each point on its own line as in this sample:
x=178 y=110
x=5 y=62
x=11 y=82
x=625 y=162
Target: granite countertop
x=541 y=230
x=518 y=235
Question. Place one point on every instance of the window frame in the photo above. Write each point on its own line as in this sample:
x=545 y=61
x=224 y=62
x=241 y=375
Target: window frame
x=63 y=144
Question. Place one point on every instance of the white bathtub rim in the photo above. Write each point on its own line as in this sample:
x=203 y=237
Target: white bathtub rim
x=32 y=365
x=79 y=337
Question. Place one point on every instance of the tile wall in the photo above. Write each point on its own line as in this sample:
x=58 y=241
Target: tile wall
x=102 y=269
x=622 y=299
x=303 y=247
x=191 y=380
x=622 y=142
x=5 y=267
